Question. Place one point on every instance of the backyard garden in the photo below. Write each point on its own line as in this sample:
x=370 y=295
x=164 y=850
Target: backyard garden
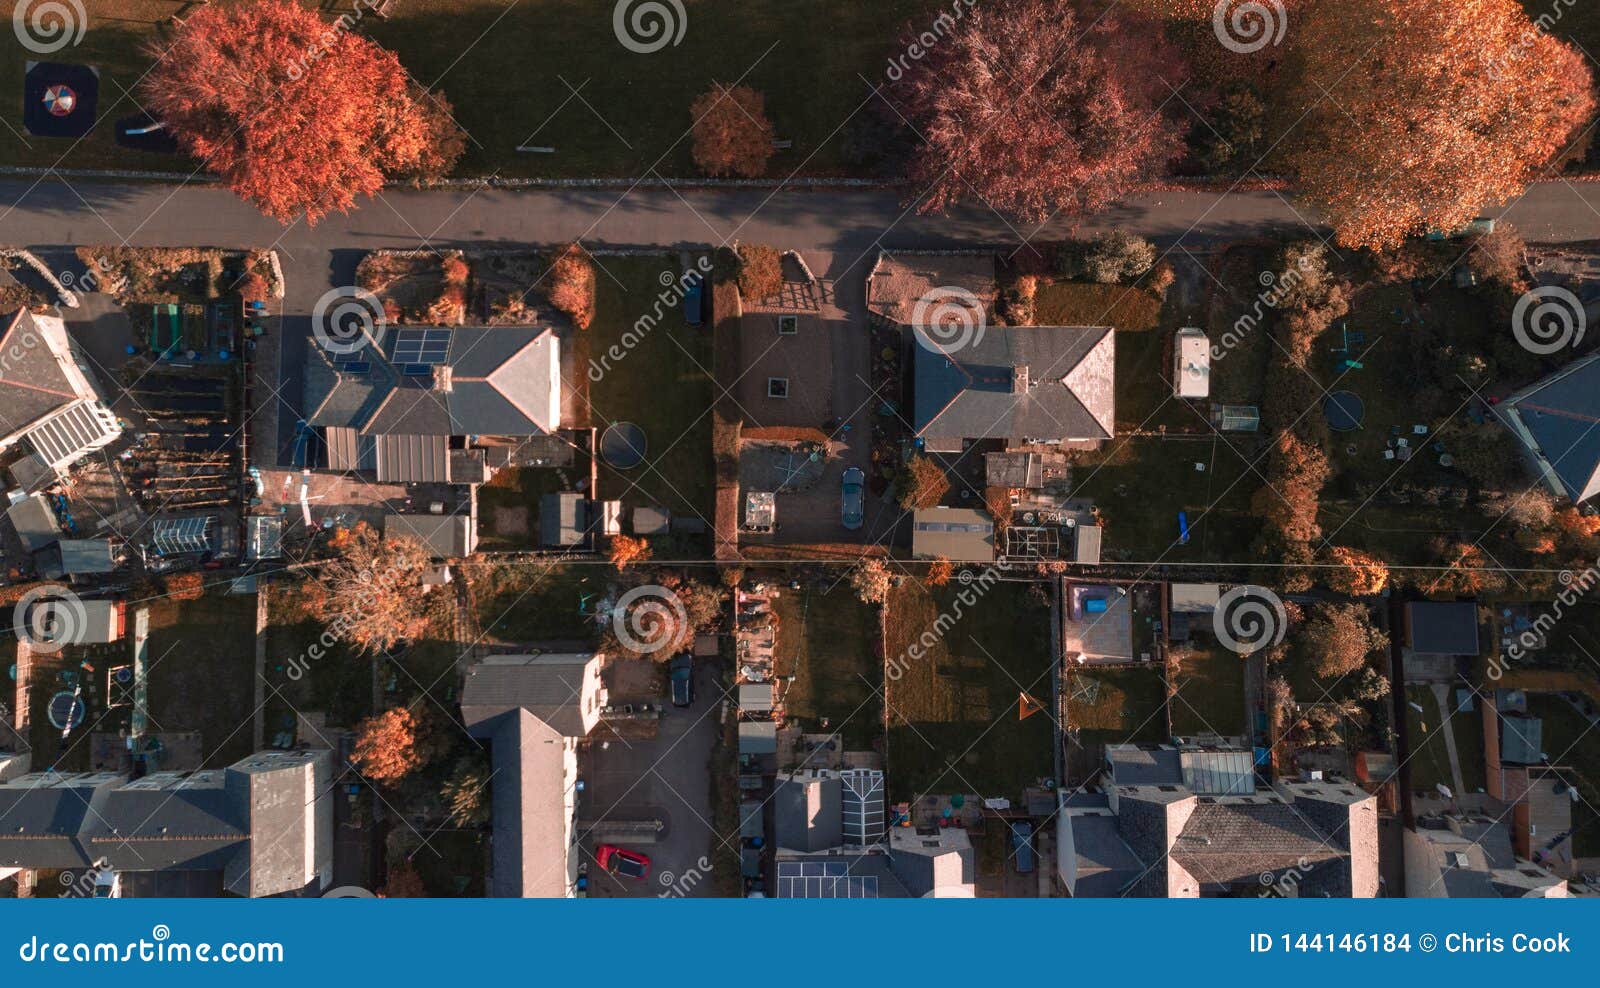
x=955 y=713
x=828 y=641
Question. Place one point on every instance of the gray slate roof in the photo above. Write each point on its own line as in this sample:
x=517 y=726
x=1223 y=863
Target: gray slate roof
x=1019 y=383
x=548 y=686
x=1562 y=416
x=1443 y=627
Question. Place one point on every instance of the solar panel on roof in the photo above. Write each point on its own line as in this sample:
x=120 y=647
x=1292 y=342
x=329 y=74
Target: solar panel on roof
x=417 y=370
x=420 y=346
x=823 y=880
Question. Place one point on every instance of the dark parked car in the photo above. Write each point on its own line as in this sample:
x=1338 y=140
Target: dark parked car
x=1022 y=846
x=851 y=513
x=694 y=298
x=628 y=864
x=682 y=675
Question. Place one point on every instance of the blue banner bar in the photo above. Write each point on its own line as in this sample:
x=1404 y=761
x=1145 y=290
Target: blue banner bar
x=799 y=943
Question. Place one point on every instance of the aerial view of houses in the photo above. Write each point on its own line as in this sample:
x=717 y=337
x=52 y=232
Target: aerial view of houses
x=919 y=449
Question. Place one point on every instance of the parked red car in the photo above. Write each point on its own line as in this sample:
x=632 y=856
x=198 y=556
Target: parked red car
x=618 y=861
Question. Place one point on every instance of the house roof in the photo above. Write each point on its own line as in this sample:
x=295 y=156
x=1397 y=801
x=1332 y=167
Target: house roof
x=1443 y=627
x=1106 y=864
x=963 y=535
x=447 y=536
x=1019 y=383
x=548 y=686
x=562 y=519
x=807 y=812
x=1559 y=419
x=35 y=380
x=470 y=381
x=1234 y=841
x=410 y=459
x=35 y=522
x=527 y=807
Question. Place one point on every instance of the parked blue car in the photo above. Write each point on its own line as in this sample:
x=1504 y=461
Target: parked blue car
x=852 y=512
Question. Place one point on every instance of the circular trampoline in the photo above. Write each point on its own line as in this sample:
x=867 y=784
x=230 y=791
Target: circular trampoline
x=623 y=445
x=66 y=711
x=1344 y=411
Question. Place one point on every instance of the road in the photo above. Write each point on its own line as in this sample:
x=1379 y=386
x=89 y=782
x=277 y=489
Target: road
x=53 y=213
x=850 y=225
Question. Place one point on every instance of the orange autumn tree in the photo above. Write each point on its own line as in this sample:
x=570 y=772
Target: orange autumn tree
x=732 y=135
x=392 y=745
x=1421 y=113
x=297 y=118
x=1357 y=573
x=626 y=550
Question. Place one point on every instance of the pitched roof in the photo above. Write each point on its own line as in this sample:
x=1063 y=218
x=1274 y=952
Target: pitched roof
x=1226 y=842
x=548 y=686
x=500 y=381
x=1559 y=417
x=1019 y=383
x=33 y=380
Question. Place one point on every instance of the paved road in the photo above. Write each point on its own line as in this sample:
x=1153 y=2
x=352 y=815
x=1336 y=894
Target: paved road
x=54 y=213
x=849 y=225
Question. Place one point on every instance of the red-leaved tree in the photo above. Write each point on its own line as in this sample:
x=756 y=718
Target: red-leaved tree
x=1023 y=108
x=297 y=118
x=732 y=135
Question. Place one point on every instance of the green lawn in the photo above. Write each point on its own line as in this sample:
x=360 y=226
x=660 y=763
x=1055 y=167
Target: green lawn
x=662 y=383
x=533 y=601
x=1208 y=693
x=507 y=65
x=953 y=712
x=1141 y=484
x=826 y=642
x=1569 y=742
x=1117 y=704
x=1430 y=761
x=202 y=672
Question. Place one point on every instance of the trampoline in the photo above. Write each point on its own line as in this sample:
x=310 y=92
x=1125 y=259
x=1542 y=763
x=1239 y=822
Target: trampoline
x=66 y=710
x=58 y=100
x=1344 y=411
x=623 y=446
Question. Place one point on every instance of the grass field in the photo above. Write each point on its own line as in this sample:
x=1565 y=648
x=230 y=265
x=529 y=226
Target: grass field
x=1208 y=693
x=1141 y=484
x=662 y=383
x=1570 y=742
x=535 y=601
x=510 y=68
x=202 y=672
x=1430 y=760
x=1126 y=707
x=953 y=724
x=826 y=642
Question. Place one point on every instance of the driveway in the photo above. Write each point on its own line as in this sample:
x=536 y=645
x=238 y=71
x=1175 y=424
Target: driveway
x=667 y=778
